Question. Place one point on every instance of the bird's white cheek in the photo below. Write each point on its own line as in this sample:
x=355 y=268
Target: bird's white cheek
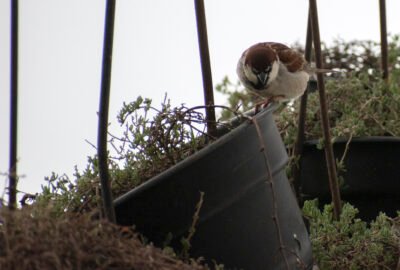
x=249 y=74
x=274 y=71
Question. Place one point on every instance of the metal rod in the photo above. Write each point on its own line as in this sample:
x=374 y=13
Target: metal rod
x=384 y=44
x=102 y=152
x=205 y=66
x=298 y=148
x=13 y=107
x=330 y=159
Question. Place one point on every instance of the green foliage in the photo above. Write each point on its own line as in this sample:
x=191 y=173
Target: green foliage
x=171 y=136
x=358 y=106
x=350 y=243
x=152 y=140
x=65 y=195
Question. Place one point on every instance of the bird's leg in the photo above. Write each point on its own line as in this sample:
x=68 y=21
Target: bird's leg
x=263 y=104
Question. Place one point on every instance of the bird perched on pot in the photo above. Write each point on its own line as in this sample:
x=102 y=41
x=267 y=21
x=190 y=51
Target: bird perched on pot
x=274 y=71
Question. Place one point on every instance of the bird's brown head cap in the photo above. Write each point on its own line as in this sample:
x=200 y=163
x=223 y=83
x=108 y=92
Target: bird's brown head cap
x=260 y=57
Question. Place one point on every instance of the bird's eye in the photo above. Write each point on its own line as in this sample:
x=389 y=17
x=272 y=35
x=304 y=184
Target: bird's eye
x=268 y=69
x=255 y=71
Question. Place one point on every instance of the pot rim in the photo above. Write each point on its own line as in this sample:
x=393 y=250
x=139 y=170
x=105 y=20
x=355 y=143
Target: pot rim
x=360 y=139
x=236 y=125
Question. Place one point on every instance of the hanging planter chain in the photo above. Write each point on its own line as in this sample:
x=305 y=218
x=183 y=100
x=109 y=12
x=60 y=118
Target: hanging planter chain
x=103 y=112
x=384 y=44
x=205 y=67
x=330 y=159
x=13 y=178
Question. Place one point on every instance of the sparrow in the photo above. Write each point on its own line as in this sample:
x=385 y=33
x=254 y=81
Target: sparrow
x=274 y=71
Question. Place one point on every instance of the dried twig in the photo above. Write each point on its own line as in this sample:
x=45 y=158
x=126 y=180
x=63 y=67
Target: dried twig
x=192 y=228
x=271 y=183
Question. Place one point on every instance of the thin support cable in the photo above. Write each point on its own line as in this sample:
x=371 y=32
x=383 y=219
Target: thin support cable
x=205 y=67
x=102 y=152
x=298 y=148
x=330 y=159
x=384 y=43
x=12 y=188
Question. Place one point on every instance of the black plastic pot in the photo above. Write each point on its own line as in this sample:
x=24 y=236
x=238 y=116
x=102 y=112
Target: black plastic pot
x=236 y=225
x=371 y=179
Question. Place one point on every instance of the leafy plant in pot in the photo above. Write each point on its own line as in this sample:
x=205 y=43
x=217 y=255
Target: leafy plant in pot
x=364 y=112
x=225 y=199
x=364 y=117
x=229 y=201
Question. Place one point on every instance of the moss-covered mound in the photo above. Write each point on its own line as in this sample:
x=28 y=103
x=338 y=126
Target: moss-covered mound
x=33 y=239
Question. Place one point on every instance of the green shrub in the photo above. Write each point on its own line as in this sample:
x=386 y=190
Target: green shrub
x=152 y=140
x=350 y=243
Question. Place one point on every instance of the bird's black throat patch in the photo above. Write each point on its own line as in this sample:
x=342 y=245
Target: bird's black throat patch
x=258 y=85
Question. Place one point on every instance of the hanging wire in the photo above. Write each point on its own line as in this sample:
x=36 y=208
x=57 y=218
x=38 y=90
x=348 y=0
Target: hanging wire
x=384 y=44
x=102 y=152
x=12 y=188
x=205 y=67
x=330 y=159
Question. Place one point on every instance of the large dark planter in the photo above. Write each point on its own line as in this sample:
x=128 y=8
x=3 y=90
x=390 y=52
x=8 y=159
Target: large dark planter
x=371 y=179
x=236 y=225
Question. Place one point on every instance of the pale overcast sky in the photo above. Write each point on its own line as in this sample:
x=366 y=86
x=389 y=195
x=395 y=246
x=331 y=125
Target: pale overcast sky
x=155 y=51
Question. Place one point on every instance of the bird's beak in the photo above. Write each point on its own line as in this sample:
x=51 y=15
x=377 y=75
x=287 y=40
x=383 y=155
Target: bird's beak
x=262 y=77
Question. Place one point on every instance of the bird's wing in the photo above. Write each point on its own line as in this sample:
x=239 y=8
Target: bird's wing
x=293 y=60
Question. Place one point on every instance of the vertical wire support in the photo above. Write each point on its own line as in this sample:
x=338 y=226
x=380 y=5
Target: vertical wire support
x=205 y=67
x=12 y=188
x=330 y=159
x=298 y=148
x=384 y=43
x=103 y=112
